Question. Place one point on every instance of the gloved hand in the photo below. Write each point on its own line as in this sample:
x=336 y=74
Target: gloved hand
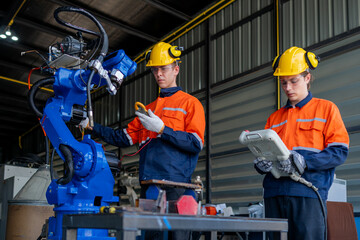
x=295 y=163
x=152 y=122
x=84 y=123
x=263 y=165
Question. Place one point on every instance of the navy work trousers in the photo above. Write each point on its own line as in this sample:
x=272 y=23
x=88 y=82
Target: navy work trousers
x=305 y=217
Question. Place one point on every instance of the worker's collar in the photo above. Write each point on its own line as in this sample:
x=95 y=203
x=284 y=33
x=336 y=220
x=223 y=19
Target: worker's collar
x=301 y=103
x=167 y=92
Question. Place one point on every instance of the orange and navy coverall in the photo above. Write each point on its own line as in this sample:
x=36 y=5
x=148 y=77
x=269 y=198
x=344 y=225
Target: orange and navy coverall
x=173 y=154
x=314 y=129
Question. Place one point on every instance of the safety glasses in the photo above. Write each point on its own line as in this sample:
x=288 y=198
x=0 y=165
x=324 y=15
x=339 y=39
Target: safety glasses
x=162 y=69
x=291 y=81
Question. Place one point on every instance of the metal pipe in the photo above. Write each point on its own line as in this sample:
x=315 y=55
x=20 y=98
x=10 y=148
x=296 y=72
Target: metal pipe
x=23 y=83
x=208 y=112
x=12 y=19
x=138 y=59
x=277 y=34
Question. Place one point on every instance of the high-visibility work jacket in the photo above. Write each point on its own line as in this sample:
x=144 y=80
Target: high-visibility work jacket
x=314 y=129
x=173 y=154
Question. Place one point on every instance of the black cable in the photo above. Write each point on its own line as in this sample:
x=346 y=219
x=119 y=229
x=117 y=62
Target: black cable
x=46 y=150
x=33 y=91
x=103 y=39
x=98 y=43
x=310 y=185
x=78 y=10
x=81 y=29
x=69 y=165
x=35 y=51
x=51 y=164
x=323 y=210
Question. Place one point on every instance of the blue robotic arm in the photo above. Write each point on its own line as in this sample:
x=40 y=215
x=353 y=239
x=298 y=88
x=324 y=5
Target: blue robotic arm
x=87 y=184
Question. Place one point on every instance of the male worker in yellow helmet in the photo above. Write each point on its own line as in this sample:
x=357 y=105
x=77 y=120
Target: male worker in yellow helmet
x=313 y=131
x=170 y=136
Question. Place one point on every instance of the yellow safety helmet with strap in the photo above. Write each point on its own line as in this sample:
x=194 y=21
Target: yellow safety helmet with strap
x=162 y=54
x=293 y=61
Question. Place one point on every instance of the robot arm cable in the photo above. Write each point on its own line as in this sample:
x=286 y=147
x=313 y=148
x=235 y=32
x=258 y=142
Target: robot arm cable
x=33 y=91
x=103 y=38
x=69 y=167
x=102 y=33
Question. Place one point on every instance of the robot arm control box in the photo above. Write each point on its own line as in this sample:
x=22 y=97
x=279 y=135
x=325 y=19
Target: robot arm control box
x=266 y=144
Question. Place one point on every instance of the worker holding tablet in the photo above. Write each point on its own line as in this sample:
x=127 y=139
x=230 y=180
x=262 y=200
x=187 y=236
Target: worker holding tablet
x=313 y=130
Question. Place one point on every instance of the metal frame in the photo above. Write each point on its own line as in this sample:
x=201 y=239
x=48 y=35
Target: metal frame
x=127 y=224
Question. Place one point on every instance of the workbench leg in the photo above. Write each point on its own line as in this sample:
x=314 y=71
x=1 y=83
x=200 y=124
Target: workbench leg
x=125 y=235
x=283 y=235
x=213 y=235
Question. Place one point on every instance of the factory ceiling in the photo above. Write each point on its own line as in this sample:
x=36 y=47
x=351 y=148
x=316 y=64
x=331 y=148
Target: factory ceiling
x=132 y=25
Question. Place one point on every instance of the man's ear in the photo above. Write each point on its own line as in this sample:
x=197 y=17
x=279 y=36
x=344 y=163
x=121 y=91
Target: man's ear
x=176 y=69
x=308 y=78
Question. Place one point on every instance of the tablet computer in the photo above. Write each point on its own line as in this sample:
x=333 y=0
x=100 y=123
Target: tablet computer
x=268 y=145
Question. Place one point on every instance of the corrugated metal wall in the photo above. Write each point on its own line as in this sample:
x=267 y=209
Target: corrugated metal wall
x=340 y=84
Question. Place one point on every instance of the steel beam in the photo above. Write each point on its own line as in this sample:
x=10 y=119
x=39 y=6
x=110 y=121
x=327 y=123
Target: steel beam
x=18 y=100
x=163 y=7
x=109 y=20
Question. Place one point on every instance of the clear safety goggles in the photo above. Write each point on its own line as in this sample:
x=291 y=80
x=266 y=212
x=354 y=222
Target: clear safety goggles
x=162 y=69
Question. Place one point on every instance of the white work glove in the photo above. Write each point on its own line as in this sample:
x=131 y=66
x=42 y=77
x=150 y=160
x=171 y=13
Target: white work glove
x=263 y=165
x=84 y=123
x=152 y=122
x=295 y=163
x=256 y=210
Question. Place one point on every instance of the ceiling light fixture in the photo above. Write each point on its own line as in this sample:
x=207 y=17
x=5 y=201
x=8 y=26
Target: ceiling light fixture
x=7 y=33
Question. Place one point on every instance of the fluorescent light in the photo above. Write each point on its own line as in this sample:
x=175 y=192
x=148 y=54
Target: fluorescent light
x=8 y=33
x=3 y=36
x=14 y=38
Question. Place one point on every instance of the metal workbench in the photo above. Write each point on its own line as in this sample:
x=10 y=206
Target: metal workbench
x=127 y=224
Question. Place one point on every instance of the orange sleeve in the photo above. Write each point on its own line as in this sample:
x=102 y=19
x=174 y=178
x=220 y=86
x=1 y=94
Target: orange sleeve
x=335 y=132
x=133 y=130
x=195 y=120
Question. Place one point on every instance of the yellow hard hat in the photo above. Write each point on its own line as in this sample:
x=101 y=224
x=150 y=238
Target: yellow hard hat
x=293 y=61
x=162 y=54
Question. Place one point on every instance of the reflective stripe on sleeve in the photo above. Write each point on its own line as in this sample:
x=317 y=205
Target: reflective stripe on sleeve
x=307 y=149
x=338 y=144
x=175 y=109
x=143 y=142
x=128 y=136
x=311 y=120
x=278 y=125
x=199 y=139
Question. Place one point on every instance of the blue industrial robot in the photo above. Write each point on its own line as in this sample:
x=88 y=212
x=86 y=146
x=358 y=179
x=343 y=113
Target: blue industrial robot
x=87 y=184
